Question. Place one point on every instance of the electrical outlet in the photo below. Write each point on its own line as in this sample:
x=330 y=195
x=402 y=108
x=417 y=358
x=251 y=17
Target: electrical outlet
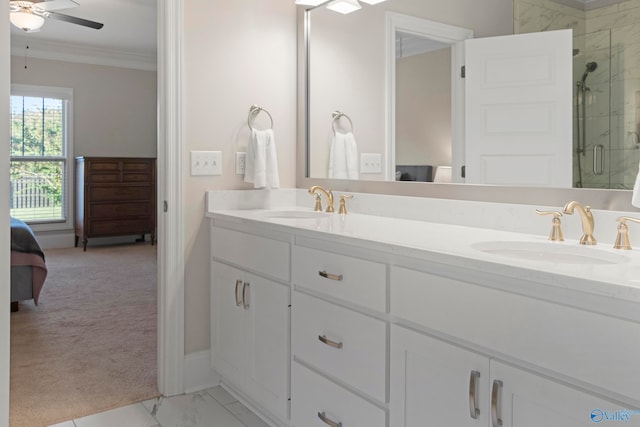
x=241 y=158
x=370 y=163
x=206 y=163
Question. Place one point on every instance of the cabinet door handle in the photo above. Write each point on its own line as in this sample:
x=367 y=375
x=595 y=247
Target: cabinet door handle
x=336 y=277
x=496 y=407
x=327 y=420
x=473 y=395
x=323 y=339
x=245 y=296
x=238 y=302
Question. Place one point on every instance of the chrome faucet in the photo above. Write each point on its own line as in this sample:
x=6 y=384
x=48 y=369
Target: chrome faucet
x=587 y=221
x=328 y=195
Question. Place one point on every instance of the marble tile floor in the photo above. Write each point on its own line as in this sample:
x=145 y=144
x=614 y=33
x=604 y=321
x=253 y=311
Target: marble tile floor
x=209 y=408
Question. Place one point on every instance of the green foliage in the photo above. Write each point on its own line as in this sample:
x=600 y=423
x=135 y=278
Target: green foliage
x=37 y=129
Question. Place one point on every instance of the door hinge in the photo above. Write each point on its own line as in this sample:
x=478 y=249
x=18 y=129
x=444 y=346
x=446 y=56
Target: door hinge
x=463 y=171
x=165 y=206
x=463 y=71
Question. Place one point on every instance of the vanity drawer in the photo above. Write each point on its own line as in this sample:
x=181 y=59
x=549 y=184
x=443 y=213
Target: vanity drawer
x=590 y=347
x=257 y=253
x=360 y=360
x=350 y=279
x=312 y=395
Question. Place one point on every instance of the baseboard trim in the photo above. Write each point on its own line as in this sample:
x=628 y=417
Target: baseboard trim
x=198 y=373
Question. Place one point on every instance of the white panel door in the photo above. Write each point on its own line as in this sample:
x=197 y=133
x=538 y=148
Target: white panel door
x=268 y=371
x=436 y=384
x=518 y=110
x=229 y=324
x=522 y=399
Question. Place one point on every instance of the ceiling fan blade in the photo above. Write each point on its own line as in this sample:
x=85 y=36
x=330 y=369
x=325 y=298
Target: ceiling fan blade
x=55 y=4
x=74 y=20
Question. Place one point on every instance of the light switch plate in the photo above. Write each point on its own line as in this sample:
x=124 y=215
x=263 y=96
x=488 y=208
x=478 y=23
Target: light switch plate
x=241 y=158
x=206 y=163
x=370 y=163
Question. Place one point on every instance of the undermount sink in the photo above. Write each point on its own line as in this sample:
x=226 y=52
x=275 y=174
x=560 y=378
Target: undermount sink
x=557 y=253
x=294 y=214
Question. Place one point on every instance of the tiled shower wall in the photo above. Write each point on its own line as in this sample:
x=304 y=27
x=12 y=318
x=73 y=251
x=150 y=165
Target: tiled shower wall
x=610 y=36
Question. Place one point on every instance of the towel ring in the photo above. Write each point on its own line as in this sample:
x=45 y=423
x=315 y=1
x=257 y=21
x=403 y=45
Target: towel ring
x=253 y=112
x=337 y=115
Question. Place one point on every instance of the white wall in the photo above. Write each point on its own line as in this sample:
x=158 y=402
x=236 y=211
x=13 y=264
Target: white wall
x=348 y=64
x=236 y=53
x=114 y=108
x=423 y=109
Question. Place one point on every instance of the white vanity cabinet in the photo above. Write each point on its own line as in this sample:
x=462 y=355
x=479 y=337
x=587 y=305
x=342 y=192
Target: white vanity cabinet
x=461 y=370
x=250 y=320
x=437 y=383
x=338 y=338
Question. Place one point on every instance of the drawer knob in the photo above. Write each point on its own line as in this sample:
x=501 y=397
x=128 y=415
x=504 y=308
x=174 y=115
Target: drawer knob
x=327 y=420
x=323 y=339
x=336 y=277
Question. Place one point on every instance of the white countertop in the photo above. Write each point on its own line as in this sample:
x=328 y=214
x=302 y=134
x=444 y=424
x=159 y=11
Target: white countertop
x=438 y=231
x=453 y=245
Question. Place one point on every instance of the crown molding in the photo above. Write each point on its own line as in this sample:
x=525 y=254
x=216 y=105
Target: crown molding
x=69 y=52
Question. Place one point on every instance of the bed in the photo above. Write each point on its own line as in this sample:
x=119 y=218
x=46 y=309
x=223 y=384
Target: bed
x=28 y=268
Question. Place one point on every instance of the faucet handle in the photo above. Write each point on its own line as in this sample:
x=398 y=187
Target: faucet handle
x=342 y=210
x=622 y=238
x=556 y=229
x=318 y=205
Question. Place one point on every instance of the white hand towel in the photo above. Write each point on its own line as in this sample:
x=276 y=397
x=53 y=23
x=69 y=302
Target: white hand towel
x=261 y=162
x=343 y=156
x=635 y=198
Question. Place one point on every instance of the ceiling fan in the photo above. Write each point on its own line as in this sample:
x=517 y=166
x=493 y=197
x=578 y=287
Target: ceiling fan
x=29 y=16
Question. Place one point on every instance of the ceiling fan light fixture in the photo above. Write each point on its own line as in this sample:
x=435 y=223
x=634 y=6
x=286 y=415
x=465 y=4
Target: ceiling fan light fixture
x=26 y=21
x=344 y=6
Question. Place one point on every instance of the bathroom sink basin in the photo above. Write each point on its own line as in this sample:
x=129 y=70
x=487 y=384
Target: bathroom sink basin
x=557 y=253
x=294 y=214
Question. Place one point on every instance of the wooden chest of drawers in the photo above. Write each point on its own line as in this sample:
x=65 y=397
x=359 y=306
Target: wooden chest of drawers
x=115 y=196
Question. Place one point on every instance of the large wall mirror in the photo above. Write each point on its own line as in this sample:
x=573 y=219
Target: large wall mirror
x=410 y=131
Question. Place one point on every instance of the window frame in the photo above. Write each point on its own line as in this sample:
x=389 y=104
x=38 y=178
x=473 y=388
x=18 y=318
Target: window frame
x=67 y=95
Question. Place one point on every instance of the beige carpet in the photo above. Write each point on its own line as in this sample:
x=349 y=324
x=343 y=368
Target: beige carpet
x=90 y=344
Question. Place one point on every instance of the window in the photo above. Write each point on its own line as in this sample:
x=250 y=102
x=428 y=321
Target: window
x=40 y=154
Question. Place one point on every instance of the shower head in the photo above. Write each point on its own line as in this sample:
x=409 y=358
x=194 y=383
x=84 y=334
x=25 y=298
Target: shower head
x=589 y=68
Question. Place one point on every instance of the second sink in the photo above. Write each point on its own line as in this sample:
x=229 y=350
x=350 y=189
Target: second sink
x=558 y=253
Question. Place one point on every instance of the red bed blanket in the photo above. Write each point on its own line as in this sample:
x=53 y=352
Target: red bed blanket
x=39 y=270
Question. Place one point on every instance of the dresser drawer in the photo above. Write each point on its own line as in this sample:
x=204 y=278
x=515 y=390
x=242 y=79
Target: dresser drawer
x=120 y=227
x=257 y=253
x=137 y=166
x=119 y=210
x=120 y=193
x=360 y=358
x=350 y=279
x=583 y=345
x=313 y=395
x=98 y=178
x=101 y=166
x=136 y=177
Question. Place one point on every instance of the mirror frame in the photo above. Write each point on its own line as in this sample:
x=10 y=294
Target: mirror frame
x=617 y=200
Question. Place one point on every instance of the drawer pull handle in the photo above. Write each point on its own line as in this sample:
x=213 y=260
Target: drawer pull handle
x=323 y=339
x=245 y=296
x=238 y=302
x=327 y=421
x=336 y=277
x=473 y=395
x=496 y=420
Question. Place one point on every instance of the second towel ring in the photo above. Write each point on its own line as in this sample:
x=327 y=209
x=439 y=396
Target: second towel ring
x=337 y=115
x=253 y=112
